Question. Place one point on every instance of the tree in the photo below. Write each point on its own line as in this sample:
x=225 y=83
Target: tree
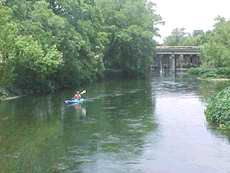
x=176 y=38
x=51 y=44
x=8 y=34
x=216 y=51
x=131 y=26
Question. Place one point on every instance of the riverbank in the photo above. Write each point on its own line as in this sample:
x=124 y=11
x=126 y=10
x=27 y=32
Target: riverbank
x=214 y=79
x=217 y=111
x=66 y=53
x=211 y=74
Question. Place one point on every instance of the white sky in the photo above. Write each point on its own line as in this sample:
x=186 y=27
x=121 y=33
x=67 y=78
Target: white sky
x=190 y=14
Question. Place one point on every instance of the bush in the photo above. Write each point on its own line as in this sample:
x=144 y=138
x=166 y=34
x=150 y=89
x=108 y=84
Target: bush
x=224 y=72
x=218 y=109
x=221 y=72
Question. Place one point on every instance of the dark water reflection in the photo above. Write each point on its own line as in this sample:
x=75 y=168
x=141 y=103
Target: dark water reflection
x=125 y=126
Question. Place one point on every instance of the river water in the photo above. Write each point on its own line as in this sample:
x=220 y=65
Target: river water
x=125 y=126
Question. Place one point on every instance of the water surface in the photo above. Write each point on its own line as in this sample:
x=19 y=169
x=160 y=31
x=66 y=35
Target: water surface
x=132 y=126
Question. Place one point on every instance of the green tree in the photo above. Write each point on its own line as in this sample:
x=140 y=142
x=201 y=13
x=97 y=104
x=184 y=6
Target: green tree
x=26 y=56
x=8 y=33
x=176 y=38
x=179 y=37
x=131 y=26
x=50 y=44
x=216 y=51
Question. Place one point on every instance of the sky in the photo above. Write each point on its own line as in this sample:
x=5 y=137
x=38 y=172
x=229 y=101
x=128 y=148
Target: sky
x=190 y=14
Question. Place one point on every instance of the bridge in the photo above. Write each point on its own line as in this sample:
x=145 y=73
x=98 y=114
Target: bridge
x=176 y=57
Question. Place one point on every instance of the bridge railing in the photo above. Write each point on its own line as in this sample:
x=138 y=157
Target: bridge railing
x=177 y=50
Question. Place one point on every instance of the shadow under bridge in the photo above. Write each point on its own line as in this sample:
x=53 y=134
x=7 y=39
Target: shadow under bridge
x=176 y=57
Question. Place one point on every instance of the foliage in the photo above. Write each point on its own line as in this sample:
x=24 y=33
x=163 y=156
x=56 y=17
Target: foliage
x=50 y=44
x=176 y=37
x=130 y=26
x=215 y=44
x=223 y=72
x=216 y=51
x=218 y=109
x=215 y=48
x=179 y=37
x=8 y=34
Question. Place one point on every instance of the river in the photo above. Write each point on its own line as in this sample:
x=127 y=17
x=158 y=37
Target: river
x=125 y=126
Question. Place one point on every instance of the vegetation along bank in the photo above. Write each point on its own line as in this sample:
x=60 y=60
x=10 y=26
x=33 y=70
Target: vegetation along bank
x=47 y=45
x=218 y=109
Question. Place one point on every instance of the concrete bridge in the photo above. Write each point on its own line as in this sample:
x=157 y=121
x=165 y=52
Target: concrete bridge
x=176 y=57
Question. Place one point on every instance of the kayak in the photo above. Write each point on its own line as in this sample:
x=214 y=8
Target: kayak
x=74 y=101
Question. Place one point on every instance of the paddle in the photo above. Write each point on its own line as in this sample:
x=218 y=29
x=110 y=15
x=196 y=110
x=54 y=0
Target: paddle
x=83 y=92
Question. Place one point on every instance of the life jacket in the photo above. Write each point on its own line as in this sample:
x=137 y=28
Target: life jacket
x=77 y=96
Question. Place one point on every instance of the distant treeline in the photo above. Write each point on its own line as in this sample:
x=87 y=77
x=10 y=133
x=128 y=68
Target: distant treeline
x=214 y=44
x=52 y=44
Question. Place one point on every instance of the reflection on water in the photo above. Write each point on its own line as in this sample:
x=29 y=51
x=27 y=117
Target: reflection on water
x=186 y=143
x=125 y=126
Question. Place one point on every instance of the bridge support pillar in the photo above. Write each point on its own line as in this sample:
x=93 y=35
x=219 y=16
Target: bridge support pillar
x=180 y=63
x=161 y=63
x=173 y=62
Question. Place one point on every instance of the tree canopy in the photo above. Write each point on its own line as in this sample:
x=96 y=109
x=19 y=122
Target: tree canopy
x=216 y=51
x=51 y=44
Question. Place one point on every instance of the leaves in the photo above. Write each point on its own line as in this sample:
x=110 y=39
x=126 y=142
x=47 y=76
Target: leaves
x=49 y=44
x=131 y=26
x=218 y=109
x=215 y=51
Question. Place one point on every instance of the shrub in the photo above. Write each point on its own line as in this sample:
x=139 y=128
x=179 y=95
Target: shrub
x=218 y=109
x=221 y=72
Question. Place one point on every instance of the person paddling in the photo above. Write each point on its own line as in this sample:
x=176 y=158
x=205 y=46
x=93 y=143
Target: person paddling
x=77 y=95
